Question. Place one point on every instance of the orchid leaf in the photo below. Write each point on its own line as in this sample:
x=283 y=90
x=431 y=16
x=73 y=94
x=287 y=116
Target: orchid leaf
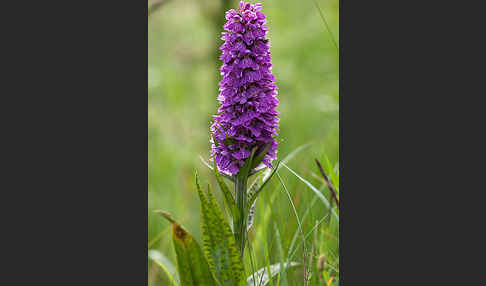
x=218 y=241
x=259 y=158
x=192 y=266
x=228 y=197
x=245 y=170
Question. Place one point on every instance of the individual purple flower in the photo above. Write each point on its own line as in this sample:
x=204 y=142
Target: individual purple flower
x=247 y=117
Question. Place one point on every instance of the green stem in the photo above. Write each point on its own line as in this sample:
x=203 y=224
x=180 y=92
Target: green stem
x=241 y=204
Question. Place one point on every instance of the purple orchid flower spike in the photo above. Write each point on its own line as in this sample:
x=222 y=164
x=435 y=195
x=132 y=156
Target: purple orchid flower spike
x=247 y=118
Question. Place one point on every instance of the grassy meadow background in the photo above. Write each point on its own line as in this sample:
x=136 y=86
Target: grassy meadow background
x=183 y=72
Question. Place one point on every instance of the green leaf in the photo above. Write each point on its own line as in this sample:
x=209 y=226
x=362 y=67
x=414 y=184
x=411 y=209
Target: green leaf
x=281 y=278
x=158 y=258
x=191 y=264
x=228 y=197
x=262 y=278
x=245 y=170
x=218 y=241
x=259 y=158
x=255 y=194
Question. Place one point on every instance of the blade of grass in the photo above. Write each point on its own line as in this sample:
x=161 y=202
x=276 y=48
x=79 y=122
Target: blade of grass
x=306 y=236
x=314 y=244
x=296 y=216
x=296 y=233
x=267 y=253
x=163 y=262
x=281 y=256
x=316 y=191
x=325 y=23
x=307 y=211
x=250 y=252
x=260 y=236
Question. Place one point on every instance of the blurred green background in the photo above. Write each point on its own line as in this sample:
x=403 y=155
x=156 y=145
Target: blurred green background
x=183 y=72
